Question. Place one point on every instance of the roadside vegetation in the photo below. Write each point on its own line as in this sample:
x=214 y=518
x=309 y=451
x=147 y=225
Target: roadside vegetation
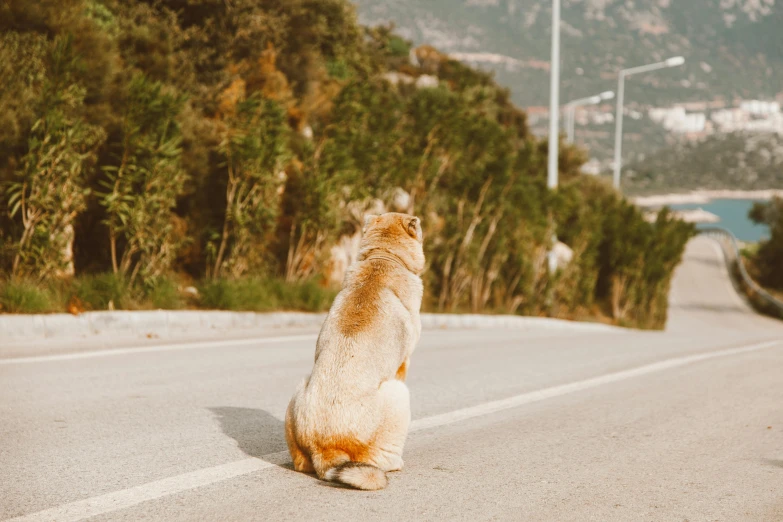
x=107 y=291
x=765 y=259
x=212 y=154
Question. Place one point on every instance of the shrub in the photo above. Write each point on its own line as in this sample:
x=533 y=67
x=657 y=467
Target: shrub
x=249 y=294
x=163 y=293
x=264 y=295
x=102 y=291
x=306 y=296
x=27 y=297
x=769 y=256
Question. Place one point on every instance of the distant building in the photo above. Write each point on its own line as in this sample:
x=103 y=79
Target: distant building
x=675 y=119
x=730 y=120
x=760 y=108
x=592 y=167
x=692 y=123
x=663 y=115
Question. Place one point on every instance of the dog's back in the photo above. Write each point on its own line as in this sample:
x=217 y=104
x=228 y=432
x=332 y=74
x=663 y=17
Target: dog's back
x=349 y=419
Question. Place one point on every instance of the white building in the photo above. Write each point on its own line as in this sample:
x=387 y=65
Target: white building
x=730 y=120
x=695 y=122
x=760 y=108
x=662 y=115
x=676 y=119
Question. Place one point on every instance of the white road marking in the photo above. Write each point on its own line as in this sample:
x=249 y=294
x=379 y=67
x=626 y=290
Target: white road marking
x=130 y=497
x=158 y=348
x=565 y=389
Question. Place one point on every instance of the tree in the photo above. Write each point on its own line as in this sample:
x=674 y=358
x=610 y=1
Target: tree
x=255 y=150
x=769 y=257
x=49 y=190
x=142 y=189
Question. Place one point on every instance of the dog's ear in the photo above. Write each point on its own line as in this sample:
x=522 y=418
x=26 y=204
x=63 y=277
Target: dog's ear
x=368 y=220
x=414 y=229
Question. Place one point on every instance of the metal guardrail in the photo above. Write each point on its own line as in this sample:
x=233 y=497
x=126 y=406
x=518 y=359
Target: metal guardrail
x=759 y=297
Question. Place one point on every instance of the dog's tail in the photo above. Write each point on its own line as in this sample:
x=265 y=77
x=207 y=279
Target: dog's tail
x=358 y=475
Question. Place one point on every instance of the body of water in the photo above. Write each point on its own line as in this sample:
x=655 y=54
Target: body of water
x=733 y=214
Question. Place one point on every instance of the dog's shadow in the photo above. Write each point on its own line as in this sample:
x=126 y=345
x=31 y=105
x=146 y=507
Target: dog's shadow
x=258 y=433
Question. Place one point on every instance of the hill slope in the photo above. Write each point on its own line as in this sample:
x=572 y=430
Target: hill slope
x=739 y=161
x=733 y=47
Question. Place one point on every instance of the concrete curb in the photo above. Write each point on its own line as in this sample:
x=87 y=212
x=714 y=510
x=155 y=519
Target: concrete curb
x=164 y=323
x=159 y=323
x=510 y=322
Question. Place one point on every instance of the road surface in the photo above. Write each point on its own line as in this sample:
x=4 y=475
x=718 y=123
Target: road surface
x=685 y=424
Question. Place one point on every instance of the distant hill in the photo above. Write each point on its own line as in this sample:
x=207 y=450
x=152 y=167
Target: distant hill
x=734 y=48
x=737 y=161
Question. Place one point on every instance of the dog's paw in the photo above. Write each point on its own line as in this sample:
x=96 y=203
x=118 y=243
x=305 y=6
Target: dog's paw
x=397 y=465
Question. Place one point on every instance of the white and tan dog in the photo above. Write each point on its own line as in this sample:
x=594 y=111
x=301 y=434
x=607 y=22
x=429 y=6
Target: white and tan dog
x=348 y=420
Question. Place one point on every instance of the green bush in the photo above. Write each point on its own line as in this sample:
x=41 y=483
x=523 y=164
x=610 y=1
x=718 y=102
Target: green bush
x=769 y=256
x=264 y=295
x=250 y=294
x=398 y=47
x=104 y=291
x=306 y=296
x=25 y=297
x=626 y=263
x=163 y=293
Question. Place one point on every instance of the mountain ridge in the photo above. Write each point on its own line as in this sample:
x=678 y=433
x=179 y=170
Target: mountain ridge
x=730 y=45
x=732 y=48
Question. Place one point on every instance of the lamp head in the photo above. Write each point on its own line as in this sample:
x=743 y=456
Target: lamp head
x=675 y=61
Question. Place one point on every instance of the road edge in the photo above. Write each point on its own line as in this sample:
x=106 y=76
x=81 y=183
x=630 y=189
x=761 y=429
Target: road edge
x=165 y=324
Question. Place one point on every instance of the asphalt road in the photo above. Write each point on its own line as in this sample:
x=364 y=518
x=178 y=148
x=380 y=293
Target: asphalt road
x=685 y=424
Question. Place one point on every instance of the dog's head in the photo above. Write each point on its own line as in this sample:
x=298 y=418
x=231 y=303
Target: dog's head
x=397 y=234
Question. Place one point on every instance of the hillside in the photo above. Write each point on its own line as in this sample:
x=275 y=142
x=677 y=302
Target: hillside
x=733 y=47
x=738 y=161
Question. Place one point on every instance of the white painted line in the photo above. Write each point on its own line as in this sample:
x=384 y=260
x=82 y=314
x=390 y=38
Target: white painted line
x=158 y=348
x=126 y=498
x=130 y=497
x=565 y=389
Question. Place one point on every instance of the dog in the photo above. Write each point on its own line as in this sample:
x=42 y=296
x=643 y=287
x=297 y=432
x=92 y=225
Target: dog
x=347 y=422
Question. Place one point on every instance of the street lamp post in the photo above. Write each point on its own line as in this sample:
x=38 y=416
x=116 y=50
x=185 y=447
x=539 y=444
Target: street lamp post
x=618 y=133
x=554 y=97
x=554 y=137
x=570 y=110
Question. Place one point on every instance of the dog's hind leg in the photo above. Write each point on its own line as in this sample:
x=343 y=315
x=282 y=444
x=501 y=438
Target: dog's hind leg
x=301 y=460
x=386 y=451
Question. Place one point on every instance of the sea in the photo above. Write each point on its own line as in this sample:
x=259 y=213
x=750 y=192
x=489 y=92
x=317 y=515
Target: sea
x=733 y=214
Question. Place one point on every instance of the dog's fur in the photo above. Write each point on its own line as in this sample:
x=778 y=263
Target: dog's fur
x=348 y=420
